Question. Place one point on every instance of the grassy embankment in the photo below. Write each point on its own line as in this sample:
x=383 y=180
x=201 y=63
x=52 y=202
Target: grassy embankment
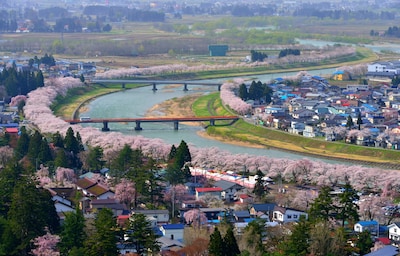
x=245 y=132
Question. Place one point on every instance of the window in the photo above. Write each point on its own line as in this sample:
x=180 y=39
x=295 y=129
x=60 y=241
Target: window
x=289 y=216
x=295 y=216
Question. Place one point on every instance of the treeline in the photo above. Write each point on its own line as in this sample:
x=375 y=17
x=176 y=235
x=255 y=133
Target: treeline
x=258 y=56
x=256 y=91
x=21 y=81
x=120 y=13
x=310 y=11
x=393 y=32
x=286 y=52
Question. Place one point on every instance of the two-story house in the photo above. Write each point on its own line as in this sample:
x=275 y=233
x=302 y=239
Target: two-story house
x=394 y=231
x=229 y=189
x=285 y=215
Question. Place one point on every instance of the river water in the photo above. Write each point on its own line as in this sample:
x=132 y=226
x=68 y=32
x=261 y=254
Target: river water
x=134 y=103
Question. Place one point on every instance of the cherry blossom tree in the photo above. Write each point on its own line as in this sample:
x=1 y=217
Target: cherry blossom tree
x=125 y=192
x=46 y=245
x=65 y=175
x=195 y=217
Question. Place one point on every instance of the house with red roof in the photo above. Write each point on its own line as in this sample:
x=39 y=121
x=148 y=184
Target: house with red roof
x=215 y=192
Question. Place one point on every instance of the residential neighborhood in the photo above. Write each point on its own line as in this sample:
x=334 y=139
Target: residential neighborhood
x=362 y=114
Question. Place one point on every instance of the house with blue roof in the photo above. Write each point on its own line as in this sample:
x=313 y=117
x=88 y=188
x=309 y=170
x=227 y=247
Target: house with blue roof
x=367 y=225
x=173 y=231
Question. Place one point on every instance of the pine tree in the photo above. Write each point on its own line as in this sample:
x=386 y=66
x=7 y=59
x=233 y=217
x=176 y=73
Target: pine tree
x=142 y=236
x=216 y=246
x=58 y=140
x=231 y=247
x=103 y=241
x=32 y=209
x=34 y=145
x=73 y=234
x=95 y=158
x=183 y=155
x=70 y=142
x=347 y=208
x=298 y=242
x=359 y=121
x=243 y=94
x=364 y=243
x=61 y=159
x=322 y=208
x=349 y=123
x=172 y=153
x=22 y=144
x=258 y=189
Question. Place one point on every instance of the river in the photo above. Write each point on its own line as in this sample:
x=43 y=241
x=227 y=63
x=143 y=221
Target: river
x=135 y=103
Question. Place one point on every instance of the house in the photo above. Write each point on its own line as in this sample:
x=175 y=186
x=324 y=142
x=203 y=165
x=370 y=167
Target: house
x=112 y=204
x=91 y=188
x=388 y=250
x=229 y=189
x=263 y=211
x=394 y=231
x=240 y=216
x=169 y=245
x=173 y=231
x=372 y=226
x=126 y=248
x=215 y=192
x=162 y=216
x=303 y=113
x=285 y=215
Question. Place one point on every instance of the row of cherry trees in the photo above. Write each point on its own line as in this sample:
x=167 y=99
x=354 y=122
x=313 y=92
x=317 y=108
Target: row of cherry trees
x=38 y=111
x=328 y=52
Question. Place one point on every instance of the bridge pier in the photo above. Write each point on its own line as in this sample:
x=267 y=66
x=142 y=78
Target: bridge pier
x=219 y=87
x=212 y=122
x=105 y=127
x=154 y=87
x=185 y=87
x=176 y=125
x=137 y=127
x=123 y=85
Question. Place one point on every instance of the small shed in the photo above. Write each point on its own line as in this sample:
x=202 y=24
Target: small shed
x=218 y=49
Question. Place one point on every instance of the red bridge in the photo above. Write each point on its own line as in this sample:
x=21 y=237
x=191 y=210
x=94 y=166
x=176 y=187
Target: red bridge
x=140 y=120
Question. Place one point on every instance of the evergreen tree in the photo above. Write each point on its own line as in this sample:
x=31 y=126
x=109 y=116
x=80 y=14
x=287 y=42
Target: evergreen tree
x=32 y=209
x=231 y=247
x=80 y=144
x=216 y=245
x=22 y=144
x=182 y=154
x=243 y=94
x=95 y=158
x=73 y=234
x=347 y=208
x=70 y=142
x=142 y=236
x=359 y=121
x=61 y=159
x=364 y=242
x=258 y=189
x=39 y=79
x=44 y=154
x=349 y=123
x=82 y=78
x=123 y=161
x=8 y=180
x=322 y=208
x=298 y=242
x=172 y=153
x=103 y=241
x=34 y=145
x=58 y=140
